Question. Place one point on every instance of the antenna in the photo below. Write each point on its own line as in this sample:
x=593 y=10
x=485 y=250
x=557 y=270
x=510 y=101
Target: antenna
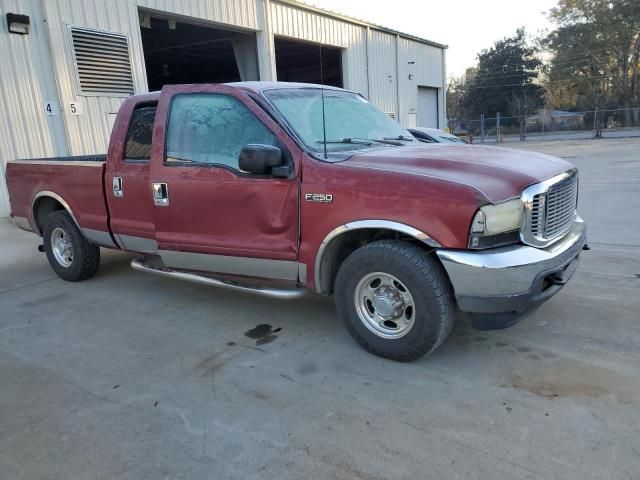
x=324 y=121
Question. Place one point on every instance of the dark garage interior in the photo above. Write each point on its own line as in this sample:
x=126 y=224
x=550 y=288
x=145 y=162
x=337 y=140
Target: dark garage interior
x=300 y=62
x=179 y=52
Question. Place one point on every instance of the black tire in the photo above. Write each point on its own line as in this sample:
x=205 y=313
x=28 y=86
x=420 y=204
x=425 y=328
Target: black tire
x=429 y=288
x=85 y=256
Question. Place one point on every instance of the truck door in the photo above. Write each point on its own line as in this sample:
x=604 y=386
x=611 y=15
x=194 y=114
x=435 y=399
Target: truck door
x=209 y=214
x=127 y=185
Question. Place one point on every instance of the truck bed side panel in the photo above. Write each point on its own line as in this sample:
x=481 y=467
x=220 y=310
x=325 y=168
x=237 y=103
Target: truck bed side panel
x=80 y=184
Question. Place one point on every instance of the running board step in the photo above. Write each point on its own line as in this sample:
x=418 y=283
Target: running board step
x=139 y=264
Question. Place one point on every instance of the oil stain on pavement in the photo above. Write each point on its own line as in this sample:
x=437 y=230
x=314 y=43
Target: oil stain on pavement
x=263 y=333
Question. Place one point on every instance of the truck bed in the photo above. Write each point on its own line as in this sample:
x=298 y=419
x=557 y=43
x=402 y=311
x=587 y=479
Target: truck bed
x=77 y=181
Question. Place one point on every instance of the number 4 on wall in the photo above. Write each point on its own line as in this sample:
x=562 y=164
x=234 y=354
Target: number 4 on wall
x=51 y=108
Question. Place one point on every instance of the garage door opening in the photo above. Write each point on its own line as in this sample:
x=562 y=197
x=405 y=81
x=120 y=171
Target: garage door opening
x=176 y=51
x=301 y=62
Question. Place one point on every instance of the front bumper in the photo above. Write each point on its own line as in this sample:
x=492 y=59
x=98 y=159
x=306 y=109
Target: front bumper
x=500 y=286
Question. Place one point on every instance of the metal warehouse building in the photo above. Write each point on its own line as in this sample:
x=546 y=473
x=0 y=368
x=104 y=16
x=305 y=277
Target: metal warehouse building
x=67 y=64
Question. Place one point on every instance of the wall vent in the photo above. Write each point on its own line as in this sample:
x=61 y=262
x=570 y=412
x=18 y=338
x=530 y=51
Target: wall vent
x=102 y=62
x=391 y=114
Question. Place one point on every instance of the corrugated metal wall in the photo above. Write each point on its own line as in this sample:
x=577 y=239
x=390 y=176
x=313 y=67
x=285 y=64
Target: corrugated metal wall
x=89 y=132
x=292 y=22
x=419 y=65
x=40 y=65
x=369 y=58
x=241 y=13
x=382 y=71
x=26 y=83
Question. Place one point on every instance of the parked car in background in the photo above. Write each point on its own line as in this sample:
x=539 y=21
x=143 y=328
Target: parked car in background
x=245 y=186
x=434 y=135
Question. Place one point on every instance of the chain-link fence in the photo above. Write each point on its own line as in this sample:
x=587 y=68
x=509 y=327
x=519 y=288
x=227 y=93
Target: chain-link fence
x=550 y=124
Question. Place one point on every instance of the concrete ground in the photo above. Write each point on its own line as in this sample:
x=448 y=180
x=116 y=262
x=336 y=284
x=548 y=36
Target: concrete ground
x=132 y=376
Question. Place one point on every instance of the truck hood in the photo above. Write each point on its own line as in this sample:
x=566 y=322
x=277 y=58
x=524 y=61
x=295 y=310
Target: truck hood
x=496 y=172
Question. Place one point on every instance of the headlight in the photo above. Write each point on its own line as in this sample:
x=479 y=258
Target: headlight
x=495 y=225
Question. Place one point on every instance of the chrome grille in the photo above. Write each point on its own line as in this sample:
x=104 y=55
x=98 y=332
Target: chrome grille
x=536 y=224
x=550 y=209
x=560 y=207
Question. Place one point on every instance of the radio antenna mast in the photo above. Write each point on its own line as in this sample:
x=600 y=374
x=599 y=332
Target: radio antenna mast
x=324 y=120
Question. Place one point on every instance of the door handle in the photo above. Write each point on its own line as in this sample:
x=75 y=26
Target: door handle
x=117 y=187
x=160 y=194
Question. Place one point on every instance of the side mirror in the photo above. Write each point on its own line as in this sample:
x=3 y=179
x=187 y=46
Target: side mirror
x=260 y=159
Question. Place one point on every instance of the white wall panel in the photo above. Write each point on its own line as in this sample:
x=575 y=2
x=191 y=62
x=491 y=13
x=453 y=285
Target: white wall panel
x=40 y=66
x=241 y=13
x=26 y=82
x=428 y=62
x=382 y=71
x=302 y=24
x=354 y=60
x=418 y=65
x=89 y=133
x=307 y=25
x=369 y=60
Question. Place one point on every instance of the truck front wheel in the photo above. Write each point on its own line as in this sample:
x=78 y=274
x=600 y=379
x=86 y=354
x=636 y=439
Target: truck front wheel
x=70 y=254
x=395 y=300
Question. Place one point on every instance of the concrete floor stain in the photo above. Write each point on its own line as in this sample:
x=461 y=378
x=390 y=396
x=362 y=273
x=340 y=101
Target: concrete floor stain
x=212 y=363
x=263 y=333
x=573 y=379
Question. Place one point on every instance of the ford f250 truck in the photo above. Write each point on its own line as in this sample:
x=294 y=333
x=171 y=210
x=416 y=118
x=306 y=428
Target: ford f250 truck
x=280 y=188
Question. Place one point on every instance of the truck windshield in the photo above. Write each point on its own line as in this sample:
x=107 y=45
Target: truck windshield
x=352 y=123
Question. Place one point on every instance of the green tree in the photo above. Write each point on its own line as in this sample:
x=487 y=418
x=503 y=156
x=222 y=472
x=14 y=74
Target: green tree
x=455 y=97
x=505 y=71
x=596 y=53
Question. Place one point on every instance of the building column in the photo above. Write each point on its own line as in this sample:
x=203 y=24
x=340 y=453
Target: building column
x=245 y=51
x=265 y=43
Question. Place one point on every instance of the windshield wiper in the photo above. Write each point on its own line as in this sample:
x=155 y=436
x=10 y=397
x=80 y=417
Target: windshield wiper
x=362 y=141
x=347 y=140
x=400 y=137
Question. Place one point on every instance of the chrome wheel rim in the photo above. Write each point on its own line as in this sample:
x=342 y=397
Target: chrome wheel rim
x=61 y=247
x=385 y=305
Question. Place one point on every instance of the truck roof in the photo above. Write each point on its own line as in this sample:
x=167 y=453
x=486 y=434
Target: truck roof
x=252 y=86
x=258 y=86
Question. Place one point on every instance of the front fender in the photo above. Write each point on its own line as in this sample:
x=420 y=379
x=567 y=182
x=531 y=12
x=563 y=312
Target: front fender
x=371 y=224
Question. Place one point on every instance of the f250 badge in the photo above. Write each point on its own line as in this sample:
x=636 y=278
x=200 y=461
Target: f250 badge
x=319 y=197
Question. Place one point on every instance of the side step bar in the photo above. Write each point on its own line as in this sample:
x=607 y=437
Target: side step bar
x=139 y=264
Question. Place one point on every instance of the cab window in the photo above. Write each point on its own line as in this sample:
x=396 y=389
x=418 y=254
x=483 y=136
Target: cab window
x=138 y=144
x=211 y=129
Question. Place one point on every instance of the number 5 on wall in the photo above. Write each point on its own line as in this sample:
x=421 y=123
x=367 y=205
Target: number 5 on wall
x=75 y=108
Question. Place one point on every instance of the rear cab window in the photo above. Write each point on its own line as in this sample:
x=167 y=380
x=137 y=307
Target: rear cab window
x=139 y=134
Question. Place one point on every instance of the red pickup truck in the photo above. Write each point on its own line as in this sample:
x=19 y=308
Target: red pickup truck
x=280 y=188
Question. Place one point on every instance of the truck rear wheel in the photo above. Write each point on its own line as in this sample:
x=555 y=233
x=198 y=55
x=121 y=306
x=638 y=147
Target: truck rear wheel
x=395 y=300
x=70 y=254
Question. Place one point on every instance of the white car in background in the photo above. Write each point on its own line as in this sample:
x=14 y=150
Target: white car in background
x=434 y=135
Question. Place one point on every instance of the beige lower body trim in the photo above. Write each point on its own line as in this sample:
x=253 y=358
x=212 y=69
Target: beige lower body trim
x=279 y=293
x=99 y=237
x=248 y=267
x=137 y=244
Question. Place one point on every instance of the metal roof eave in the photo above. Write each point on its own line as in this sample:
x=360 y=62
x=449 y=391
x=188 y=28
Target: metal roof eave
x=356 y=21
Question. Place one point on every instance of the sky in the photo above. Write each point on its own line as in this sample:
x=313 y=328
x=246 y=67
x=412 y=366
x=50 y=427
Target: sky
x=466 y=26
